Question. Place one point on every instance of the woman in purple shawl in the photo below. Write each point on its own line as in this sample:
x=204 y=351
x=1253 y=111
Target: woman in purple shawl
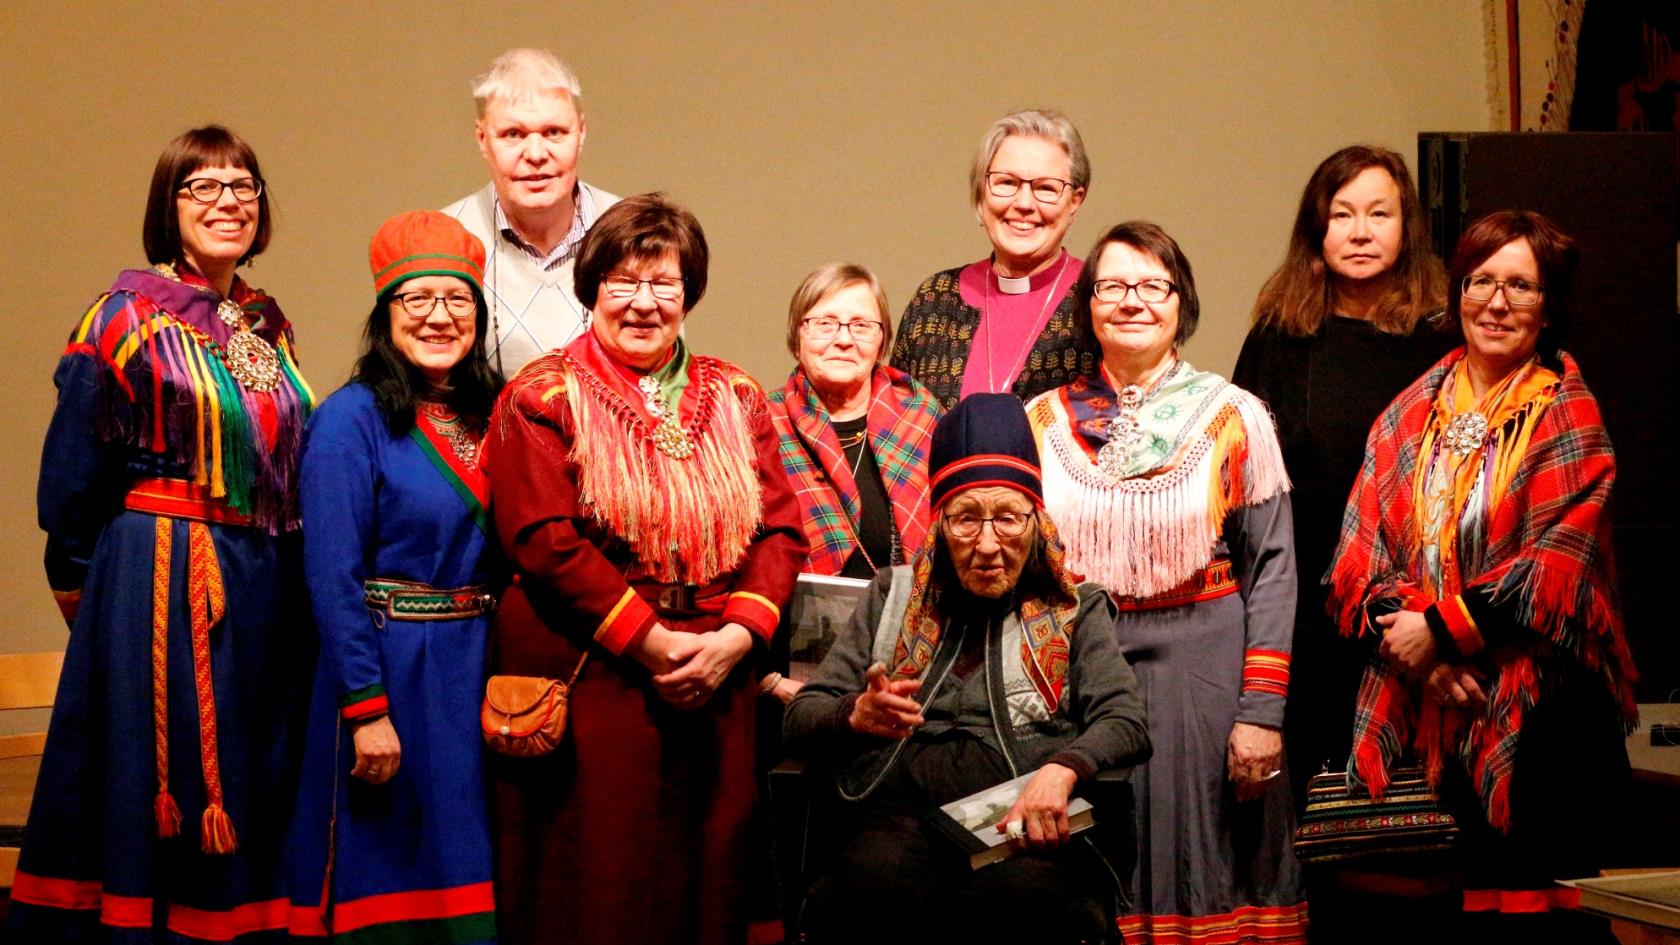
x=168 y=494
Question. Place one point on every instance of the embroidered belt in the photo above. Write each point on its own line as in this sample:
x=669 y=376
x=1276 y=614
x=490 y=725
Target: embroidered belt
x=182 y=499
x=682 y=600
x=411 y=600
x=1216 y=579
x=173 y=500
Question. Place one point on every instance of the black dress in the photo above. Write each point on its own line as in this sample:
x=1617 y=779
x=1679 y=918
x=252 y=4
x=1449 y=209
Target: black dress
x=1325 y=391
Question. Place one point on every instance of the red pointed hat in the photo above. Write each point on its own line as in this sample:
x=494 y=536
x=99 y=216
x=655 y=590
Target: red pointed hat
x=424 y=243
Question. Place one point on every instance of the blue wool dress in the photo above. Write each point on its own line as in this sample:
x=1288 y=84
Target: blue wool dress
x=146 y=404
x=407 y=860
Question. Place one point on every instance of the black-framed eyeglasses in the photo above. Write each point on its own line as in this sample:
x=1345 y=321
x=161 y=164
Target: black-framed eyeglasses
x=460 y=305
x=209 y=189
x=1149 y=290
x=1519 y=293
x=1044 y=189
x=623 y=287
x=822 y=328
x=967 y=525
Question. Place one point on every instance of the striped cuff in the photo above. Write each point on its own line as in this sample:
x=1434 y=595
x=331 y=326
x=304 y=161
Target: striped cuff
x=627 y=622
x=68 y=603
x=365 y=704
x=753 y=611
x=1449 y=615
x=1266 y=671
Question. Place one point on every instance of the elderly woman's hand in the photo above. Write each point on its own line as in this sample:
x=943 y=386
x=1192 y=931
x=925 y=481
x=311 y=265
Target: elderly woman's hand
x=1407 y=643
x=1253 y=757
x=702 y=661
x=378 y=751
x=1455 y=686
x=885 y=707
x=1042 y=808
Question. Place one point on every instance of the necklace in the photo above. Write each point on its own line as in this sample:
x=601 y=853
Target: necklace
x=250 y=359
x=860 y=442
x=1469 y=428
x=1125 y=431
x=452 y=428
x=669 y=437
x=986 y=307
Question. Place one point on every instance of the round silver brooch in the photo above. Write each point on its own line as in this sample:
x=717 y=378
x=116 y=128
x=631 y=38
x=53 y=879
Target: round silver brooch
x=1466 y=432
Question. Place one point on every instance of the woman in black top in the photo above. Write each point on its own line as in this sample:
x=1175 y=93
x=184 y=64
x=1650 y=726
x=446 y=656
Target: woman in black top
x=1343 y=325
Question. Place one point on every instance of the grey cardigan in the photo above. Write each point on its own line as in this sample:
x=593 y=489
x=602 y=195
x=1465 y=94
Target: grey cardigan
x=1099 y=724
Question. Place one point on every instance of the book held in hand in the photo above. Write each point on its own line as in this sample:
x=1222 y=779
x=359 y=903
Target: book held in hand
x=971 y=822
x=821 y=607
x=1651 y=898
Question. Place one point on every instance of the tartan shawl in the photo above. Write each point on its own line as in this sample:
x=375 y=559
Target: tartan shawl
x=901 y=417
x=1548 y=552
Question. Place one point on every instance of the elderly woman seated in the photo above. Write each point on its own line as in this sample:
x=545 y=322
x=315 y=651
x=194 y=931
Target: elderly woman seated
x=980 y=661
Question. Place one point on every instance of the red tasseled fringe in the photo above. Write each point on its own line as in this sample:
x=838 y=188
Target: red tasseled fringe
x=218 y=831
x=168 y=815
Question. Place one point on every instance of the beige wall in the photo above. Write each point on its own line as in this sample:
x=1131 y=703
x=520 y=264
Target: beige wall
x=798 y=133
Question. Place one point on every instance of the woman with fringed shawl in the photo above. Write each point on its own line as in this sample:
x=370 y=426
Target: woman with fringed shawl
x=1477 y=545
x=1170 y=487
x=853 y=433
x=636 y=491
x=980 y=661
x=390 y=841
x=168 y=492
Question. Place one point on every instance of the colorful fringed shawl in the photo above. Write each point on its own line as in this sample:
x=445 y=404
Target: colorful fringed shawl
x=1046 y=623
x=1210 y=448
x=1545 y=549
x=166 y=390
x=900 y=422
x=686 y=520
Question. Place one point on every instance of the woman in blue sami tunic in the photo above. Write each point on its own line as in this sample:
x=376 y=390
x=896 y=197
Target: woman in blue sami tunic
x=168 y=494
x=391 y=839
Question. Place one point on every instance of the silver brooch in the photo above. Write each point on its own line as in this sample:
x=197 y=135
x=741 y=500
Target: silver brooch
x=1466 y=432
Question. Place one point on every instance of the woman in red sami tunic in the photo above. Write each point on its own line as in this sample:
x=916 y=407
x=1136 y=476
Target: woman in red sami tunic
x=636 y=491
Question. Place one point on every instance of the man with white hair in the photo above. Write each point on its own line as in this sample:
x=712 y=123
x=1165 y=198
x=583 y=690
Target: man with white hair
x=533 y=214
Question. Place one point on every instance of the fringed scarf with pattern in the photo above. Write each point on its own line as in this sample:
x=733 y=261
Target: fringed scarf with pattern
x=901 y=417
x=1545 y=540
x=166 y=389
x=1046 y=621
x=687 y=520
x=1210 y=447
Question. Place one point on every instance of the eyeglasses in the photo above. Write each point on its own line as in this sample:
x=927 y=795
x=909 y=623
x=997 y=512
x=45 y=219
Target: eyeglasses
x=623 y=287
x=209 y=189
x=822 y=328
x=1044 y=189
x=1149 y=290
x=1519 y=293
x=967 y=525
x=460 y=305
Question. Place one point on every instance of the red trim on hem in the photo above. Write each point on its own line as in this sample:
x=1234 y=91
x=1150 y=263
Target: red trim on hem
x=1271 y=925
x=417 y=905
x=136 y=912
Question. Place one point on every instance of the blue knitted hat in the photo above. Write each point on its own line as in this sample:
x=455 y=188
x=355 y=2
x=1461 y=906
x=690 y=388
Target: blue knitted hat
x=984 y=441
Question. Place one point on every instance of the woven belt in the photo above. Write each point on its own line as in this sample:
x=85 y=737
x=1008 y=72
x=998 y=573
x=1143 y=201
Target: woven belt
x=411 y=600
x=1216 y=579
x=681 y=600
x=179 y=498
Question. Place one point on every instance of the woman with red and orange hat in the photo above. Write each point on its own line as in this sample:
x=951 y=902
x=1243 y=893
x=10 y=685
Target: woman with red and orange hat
x=391 y=836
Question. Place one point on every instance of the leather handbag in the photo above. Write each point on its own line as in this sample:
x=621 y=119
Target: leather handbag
x=1341 y=825
x=525 y=716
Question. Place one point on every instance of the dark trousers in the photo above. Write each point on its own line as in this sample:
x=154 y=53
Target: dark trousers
x=894 y=878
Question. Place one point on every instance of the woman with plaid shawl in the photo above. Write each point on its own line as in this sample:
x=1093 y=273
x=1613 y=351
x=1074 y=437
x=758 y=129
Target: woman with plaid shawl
x=853 y=433
x=1476 y=544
